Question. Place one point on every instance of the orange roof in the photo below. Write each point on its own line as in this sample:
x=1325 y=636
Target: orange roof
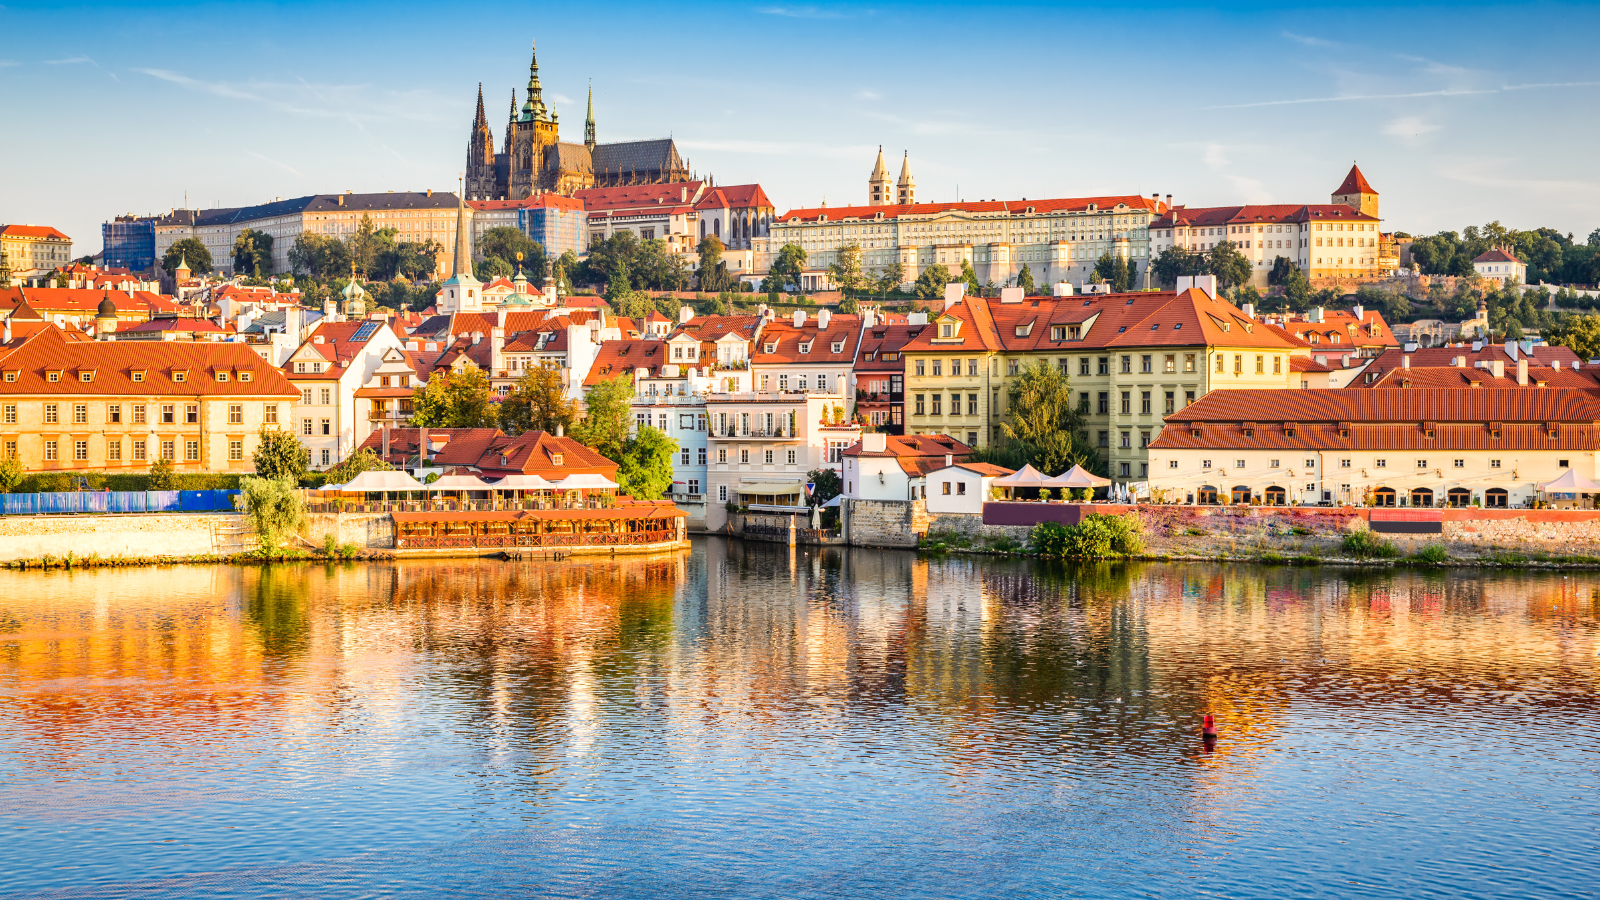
x=615 y=359
x=1008 y=207
x=85 y=301
x=112 y=367
x=738 y=196
x=788 y=342
x=653 y=197
x=1496 y=254
x=1141 y=319
x=1339 y=326
x=1355 y=183
x=1278 y=212
x=32 y=231
x=623 y=510
x=1453 y=378
x=976 y=331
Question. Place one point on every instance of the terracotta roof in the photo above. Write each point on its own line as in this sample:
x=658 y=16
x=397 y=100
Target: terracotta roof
x=881 y=339
x=626 y=509
x=1442 y=357
x=1307 y=364
x=1355 y=183
x=738 y=196
x=1550 y=405
x=532 y=453
x=1007 y=207
x=1496 y=255
x=787 y=342
x=190 y=326
x=1452 y=378
x=976 y=332
x=620 y=200
x=615 y=359
x=1141 y=319
x=912 y=446
x=1251 y=214
x=985 y=468
x=32 y=231
x=112 y=367
x=405 y=442
x=1370 y=330
x=85 y=301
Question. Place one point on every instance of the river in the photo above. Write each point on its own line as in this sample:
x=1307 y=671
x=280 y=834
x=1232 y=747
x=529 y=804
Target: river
x=743 y=721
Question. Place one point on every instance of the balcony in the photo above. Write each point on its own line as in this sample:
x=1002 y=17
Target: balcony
x=754 y=433
x=389 y=415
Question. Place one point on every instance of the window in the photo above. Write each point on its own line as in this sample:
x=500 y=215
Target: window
x=694 y=485
x=972 y=404
x=1261 y=368
x=1238 y=364
x=700 y=458
x=80 y=450
x=305 y=427
x=1277 y=365
x=1344 y=463
x=946 y=491
x=11 y=376
x=722 y=493
x=327 y=426
x=1188 y=398
x=52 y=414
x=961 y=489
x=1122 y=470
x=1104 y=365
x=938 y=404
x=1381 y=463
x=1272 y=464
x=1171 y=400
x=1083 y=402
x=1144 y=403
x=1144 y=439
x=235 y=414
x=1105 y=403
x=236 y=450
x=1127 y=365
x=191 y=450
x=138 y=414
x=1144 y=364
x=327 y=457
x=1562 y=463
x=1126 y=440
x=1188 y=362
x=11 y=414
x=114 y=450
x=222 y=376
x=919 y=368
x=1494 y=463
x=972 y=368
x=327 y=397
x=86 y=377
x=191 y=413
x=683 y=457
x=80 y=413
x=1170 y=364
x=1127 y=403
x=722 y=454
x=180 y=377
x=744 y=456
x=791 y=457
x=138 y=451
x=1422 y=464
x=1083 y=365
x=1238 y=464
x=52 y=377
x=783 y=382
x=169 y=450
x=1011 y=366
x=1105 y=439
x=49 y=450
x=1172 y=464
x=801 y=383
x=305 y=396
x=1311 y=464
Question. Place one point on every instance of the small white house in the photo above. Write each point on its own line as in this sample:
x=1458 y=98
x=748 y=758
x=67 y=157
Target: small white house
x=891 y=466
x=1497 y=264
x=961 y=487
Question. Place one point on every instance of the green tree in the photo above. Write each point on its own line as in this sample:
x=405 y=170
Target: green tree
x=492 y=267
x=1025 y=280
x=367 y=244
x=252 y=253
x=849 y=306
x=537 y=402
x=644 y=471
x=163 y=475
x=274 y=509
x=845 y=272
x=1280 y=270
x=1296 y=290
x=363 y=460
x=826 y=485
x=189 y=251
x=1044 y=417
x=454 y=399
x=790 y=263
x=1229 y=265
x=974 y=289
x=930 y=284
x=713 y=272
x=505 y=242
x=319 y=255
x=890 y=279
x=606 y=417
x=562 y=269
x=1582 y=336
x=280 y=455
x=407 y=260
x=1174 y=263
x=11 y=474
x=655 y=267
x=1105 y=268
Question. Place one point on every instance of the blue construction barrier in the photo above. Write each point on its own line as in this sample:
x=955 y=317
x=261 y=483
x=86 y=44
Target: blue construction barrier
x=69 y=502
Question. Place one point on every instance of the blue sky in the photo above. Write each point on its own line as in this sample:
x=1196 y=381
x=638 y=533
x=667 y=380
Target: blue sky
x=1457 y=115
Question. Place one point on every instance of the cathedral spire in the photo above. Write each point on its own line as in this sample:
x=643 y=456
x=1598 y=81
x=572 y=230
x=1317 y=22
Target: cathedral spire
x=534 y=109
x=588 y=124
x=481 y=121
x=462 y=266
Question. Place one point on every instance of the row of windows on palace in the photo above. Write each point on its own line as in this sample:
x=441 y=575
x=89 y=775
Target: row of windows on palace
x=138 y=450
x=138 y=414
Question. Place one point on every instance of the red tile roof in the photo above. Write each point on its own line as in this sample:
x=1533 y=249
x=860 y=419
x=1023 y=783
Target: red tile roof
x=533 y=453
x=885 y=339
x=112 y=366
x=1240 y=215
x=622 y=200
x=915 y=454
x=1142 y=319
x=787 y=342
x=1452 y=378
x=85 y=301
x=1340 y=326
x=1010 y=207
x=738 y=196
x=615 y=359
x=1355 y=183
x=32 y=231
x=1496 y=254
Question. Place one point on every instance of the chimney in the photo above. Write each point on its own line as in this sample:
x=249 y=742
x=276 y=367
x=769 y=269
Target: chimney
x=477 y=336
x=1405 y=362
x=949 y=460
x=1315 y=315
x=1011 y=295
x=1499 y=368
x=684 y=315
x=1511 y=349
x=7 y=333
x=875 y=443
x=1360 y=311
x=1460 y=362
x=500 y=317
x=954 y=292
x=561 y=430
x=1207 y=283
x=497 y=348
x=1169 y=202
x=1062 y=289
x=867 y=318
x=823 y=316
x=1522 y=371
x=1249 y=309
x=799 y=318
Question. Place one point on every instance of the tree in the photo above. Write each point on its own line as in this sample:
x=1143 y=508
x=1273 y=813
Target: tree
x=1025 y=280
x=930 y=284
x=845 y=271
x=11 y=474
x=505 y=242
x=1296 y=290
x=490 y=268
x=454 y=399
x=645 y=470
x=319 y=255
x=363 y=460
x=1229 y=265
x=790 y=263
x=280 y=455
x=974 y=289
x=189 y=251
x=1104 y=268
x=849 y=306
x=252 y=253
x=274 y=508
x=537 y=402
x=713 y=272
x=1280 y=270
x=1045 y=417
x=655 y=267
x=1582 y=336
x=1174 y=263
x=367 y=242
x=826 y=485
x=562 y=269
x=407 y=260
x=607 y=414
x=163 y=476
x=890 y=279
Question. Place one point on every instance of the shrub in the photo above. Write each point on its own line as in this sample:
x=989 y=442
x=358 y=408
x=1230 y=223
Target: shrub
x=330 y=545
x=349 y=550
x=1433 y=555
x=1096 y=537
x=1300 y=530
x=274 y=508
x=1365 y=544
x=11 y=474
x=162 y=476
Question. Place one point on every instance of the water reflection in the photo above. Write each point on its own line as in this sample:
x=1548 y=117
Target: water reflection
x=759 y=721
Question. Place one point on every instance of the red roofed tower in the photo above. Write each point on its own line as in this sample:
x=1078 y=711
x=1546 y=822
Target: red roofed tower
x=1356 y=193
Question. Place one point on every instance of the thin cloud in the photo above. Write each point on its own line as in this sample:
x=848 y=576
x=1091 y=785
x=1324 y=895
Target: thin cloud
x=1444 y=92
x=800 y=12
x=562 y=99
x=1308 y=40
x=71 y=60
x=776 y=148
x=1410 y=129
x=286 y=167
x=350 y=103
x=5 y=63
x=865 y=94
x=1553 y=84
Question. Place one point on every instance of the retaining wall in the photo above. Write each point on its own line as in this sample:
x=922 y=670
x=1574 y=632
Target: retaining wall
x=884 y=523
x=130 y=534
x=369 y=531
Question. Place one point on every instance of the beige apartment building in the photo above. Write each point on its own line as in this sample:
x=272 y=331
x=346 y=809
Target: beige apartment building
x=120 y=405
x=32 y=251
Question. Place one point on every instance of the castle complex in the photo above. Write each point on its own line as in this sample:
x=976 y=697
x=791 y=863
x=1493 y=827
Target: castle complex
x=534 y=160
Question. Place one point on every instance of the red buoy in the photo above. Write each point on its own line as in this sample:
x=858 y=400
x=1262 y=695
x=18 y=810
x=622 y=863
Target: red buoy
x=1208 y=732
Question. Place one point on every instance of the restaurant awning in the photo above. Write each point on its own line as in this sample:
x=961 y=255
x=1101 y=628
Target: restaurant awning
x=772 y=487
x=458 y=483
x=521 y=482
x=375 y=481
x=1570 y=482
x=1077 y=477
x=584 y=481
x=1026 y=477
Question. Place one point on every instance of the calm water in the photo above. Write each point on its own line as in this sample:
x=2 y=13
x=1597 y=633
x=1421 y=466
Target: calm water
x=738 y=722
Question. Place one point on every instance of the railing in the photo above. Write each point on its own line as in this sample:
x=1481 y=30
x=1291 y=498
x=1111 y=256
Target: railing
x=752 y=433
x=575 y=539
x=390 y=415
x=394 y=506
x=74 y=502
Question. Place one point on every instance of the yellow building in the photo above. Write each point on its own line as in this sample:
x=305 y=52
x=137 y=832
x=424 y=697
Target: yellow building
x=120 y=405
x=952 y=374
x=31 y=251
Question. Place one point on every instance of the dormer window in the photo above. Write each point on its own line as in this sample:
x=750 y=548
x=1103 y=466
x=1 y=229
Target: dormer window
x=179 y=376
x=11 y=376
x=947 y=330
x=52 y=376
x=138 y=375
x=222 y=377
x=1194 y=432
x=86 y=377
x=769 y=348
x=806 y=347
x=557 y=459
x=837 y=346
x=244 y=376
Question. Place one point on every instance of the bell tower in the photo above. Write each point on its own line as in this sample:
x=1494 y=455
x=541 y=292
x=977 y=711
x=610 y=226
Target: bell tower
x=879 y=191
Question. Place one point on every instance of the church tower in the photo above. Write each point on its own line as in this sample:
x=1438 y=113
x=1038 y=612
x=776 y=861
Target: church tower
x=462 y=292
x=588 y=124
x=906 y=189
x=535 y=130
x=879 y=192
x=1356 y=193
x=480 y=157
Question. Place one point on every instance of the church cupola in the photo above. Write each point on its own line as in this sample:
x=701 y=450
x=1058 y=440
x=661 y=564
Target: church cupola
x=105 y=318
x=534 y=110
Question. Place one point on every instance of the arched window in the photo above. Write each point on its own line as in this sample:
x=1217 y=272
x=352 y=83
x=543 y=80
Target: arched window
x=1207 y=494
x=1383 y=496
x=1496 y=498
x=1276 y=496
x=702 y=229
x=1421 y=497
x=1241 y=493
x=1459 y=497
x=716 y=227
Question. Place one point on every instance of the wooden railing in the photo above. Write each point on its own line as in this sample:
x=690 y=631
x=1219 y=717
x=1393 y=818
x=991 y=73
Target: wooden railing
x=393 y=506
x=576 y=539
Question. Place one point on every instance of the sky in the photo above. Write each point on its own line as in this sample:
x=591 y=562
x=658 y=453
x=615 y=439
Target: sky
x=1457 y=115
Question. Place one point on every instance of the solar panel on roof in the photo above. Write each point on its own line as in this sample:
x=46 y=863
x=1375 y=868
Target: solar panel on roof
x=365 y=331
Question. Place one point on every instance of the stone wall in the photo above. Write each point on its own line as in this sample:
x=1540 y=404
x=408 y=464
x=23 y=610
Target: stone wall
x=884 y=523
x=369 y=531
x=130 y=535
x=970 y=527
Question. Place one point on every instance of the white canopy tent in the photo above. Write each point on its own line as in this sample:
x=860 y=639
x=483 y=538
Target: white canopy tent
x=374 y=481
x=583 y=482
x=459 y=483
x=1025 y=477
x=520 y=482
x=1076 y=477
x=1570 y=482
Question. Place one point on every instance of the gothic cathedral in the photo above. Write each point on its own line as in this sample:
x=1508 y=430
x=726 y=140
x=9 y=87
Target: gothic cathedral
x=533 y=159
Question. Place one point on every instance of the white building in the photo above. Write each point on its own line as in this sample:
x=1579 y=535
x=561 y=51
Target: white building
x=1499 y=265
x=961 y=487
x=762 y=445
x=338 y=359
x=893 y=467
